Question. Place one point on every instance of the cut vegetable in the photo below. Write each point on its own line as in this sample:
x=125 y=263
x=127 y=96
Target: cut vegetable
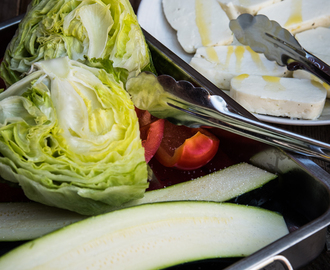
x=186 y=148
x=26 y=221
x=152 y=236
x=218 y=186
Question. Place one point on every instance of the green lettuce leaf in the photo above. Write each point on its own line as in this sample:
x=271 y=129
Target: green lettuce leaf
x=83 y=30
x=69 y=136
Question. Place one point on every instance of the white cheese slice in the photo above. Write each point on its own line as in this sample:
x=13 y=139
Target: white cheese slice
x=302 y=74
x=234 y=8
x=289 y=97
x=221 y=63
x=299 y=15
x=198 y=23
x=316 y=41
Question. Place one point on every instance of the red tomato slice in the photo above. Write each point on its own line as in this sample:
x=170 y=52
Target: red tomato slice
x=151 y=132
x=186 y=148
x=169 y=176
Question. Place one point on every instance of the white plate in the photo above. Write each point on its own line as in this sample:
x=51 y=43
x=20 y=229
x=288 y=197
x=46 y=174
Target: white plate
x=151 y=17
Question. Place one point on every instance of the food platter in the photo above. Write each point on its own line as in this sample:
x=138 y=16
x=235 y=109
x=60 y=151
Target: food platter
x=301 y=183
x=151 y=17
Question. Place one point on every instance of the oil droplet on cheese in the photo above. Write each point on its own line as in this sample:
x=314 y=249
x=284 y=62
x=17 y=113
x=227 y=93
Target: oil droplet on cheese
x=230 y=51
x=326 y=86
x=256 y=58
x=212 y=55
x=242 y=77
x=271 y=79
x=273 y=83
x=239 y=53
x=296 y=13
x=201 y=21
x=318 y=85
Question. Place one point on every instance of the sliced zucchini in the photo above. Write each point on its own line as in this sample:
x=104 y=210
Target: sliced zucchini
x=152 y=236
x=219 y=186
x=26 y=221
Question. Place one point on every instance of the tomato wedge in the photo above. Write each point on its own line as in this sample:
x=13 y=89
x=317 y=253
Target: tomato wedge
x=151 y=132
x=186 y=148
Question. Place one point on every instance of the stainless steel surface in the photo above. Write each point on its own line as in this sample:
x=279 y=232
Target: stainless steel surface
x=169 y=63
x=277 y=44
x=183 y=104
x=304 y=194
x=306 y=187
x=278 y=258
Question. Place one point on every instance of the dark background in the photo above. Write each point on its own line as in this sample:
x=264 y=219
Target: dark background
x=12 y=8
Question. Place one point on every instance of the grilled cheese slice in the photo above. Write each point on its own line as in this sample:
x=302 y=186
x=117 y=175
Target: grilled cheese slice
x=315 y=41
x=299 y=15
x=220 y=64
x=288 y=97
x=234 y=8
x=198 y=23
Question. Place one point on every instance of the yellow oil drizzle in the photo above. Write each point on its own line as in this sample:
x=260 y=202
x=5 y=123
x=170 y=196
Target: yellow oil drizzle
x=256 y=58
x=239 y=79
x=326 y=86
x=273 y=83
x=271 y=79
x=230 y=52
x=242 y=77
x=319 y=85
x=212 y=55
x=202 y=25
x=296 y=13
x=239 y=53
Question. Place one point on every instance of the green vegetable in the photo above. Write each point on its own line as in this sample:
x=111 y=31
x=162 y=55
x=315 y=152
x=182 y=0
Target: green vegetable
x=152 y=236
x=69 y=135
x=25 y=221
x=84 y=30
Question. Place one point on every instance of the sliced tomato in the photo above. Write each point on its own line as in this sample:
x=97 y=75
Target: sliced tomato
x=186 y=148
x=169 y=176
x=151 y=132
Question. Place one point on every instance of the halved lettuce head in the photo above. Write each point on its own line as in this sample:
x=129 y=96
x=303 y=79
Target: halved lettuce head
x=90 y=31
x=69 y=135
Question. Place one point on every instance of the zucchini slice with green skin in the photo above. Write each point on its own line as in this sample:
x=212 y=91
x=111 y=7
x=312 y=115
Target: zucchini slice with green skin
x=219 y=186
x=152 y=236
x=26 y=221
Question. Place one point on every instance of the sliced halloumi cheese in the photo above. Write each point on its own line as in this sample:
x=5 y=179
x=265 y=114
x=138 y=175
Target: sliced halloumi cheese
x=221 y=63
x=198 y=23
x=299 y=15
x=315 y=41
x=234 y=8
x=288 y=97
x=303 y=74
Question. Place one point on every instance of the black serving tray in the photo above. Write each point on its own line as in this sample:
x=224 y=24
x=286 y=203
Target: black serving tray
x=301 y=193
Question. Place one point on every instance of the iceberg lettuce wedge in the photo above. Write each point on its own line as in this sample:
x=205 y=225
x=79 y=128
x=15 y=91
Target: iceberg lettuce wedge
x=84 y=30
x=69 y=136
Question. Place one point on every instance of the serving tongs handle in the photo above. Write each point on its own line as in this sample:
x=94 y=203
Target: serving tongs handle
x=184 y=104
x=277 y=44
x=312 y=64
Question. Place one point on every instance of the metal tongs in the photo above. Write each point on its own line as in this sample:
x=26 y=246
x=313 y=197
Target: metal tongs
x=277 y=44
x=184 y=103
